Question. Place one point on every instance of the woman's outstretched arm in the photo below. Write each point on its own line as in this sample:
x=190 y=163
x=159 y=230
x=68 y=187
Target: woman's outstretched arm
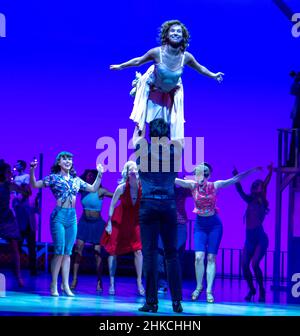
x=235 y=179
x=96 y=185
x=33 y=182
x=105 y=192
x=240 y=189
x=269 y=176
x=135 y=62
x=185 y=183
x=193 y=63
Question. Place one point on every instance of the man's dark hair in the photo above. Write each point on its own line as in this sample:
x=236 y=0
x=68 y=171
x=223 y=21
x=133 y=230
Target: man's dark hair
x=159 y=128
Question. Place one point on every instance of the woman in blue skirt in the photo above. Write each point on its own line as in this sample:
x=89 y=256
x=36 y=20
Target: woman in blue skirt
x=90 y=226
x=208 y=227
x=64 y=185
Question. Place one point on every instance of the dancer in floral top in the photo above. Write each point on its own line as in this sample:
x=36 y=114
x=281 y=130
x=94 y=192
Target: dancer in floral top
x=64 y=185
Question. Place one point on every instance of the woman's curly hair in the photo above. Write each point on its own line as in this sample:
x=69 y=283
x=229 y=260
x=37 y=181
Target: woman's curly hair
x=164 y=30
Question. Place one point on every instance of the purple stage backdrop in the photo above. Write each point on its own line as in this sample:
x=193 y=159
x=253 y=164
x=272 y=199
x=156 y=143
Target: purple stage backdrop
x=57 y=92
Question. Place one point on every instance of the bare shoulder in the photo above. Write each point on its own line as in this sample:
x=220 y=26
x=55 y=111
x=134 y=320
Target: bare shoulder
x=218 y=184
x=154 y=52
x=188 y=57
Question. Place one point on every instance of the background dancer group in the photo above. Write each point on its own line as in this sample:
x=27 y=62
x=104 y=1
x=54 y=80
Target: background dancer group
x=146 y=221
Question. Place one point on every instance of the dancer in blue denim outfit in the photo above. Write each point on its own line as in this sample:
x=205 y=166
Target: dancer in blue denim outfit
x=64 y=185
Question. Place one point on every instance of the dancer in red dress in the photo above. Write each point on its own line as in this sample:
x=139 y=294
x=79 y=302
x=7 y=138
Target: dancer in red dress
x=122 y=234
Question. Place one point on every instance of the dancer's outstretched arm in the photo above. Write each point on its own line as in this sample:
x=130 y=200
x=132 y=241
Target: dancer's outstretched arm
x=193 y=63
x=33 y=182
x=96 y=185
x=105 y=192
x=185 y=183
x=269 y=176
x=240 y=189
x=235 y=179
x=137 y=61
x=118 y=192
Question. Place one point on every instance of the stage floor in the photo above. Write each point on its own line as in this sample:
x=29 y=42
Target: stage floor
x=34 y=299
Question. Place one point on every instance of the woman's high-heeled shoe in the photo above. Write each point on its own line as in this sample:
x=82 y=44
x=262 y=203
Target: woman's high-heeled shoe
x=209 y=297
x=99 y=288
x=196 y=293
x=111 y=290
x=141 y=290
x=250 y=296
x=67 y=290
x=74 y=283
x=53 y=290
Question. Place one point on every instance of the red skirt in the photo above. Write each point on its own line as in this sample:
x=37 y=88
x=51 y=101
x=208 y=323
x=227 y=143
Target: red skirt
x=125 y=236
